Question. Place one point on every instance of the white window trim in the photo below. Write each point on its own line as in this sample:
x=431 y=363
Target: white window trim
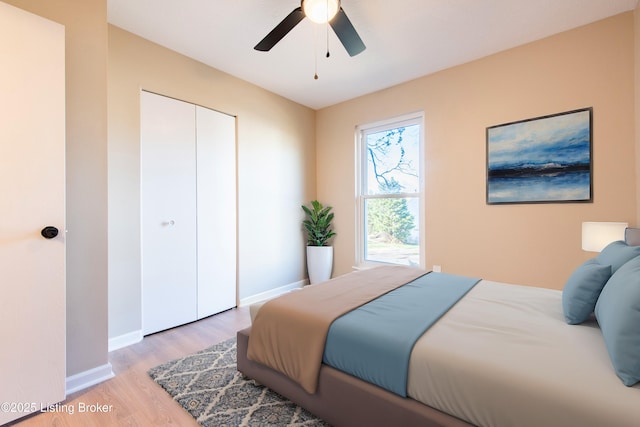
x=361 y=161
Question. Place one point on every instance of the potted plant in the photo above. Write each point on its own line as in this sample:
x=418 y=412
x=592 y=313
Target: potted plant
x=319 y=253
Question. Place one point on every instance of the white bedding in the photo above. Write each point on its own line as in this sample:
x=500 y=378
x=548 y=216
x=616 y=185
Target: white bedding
x=504 y=356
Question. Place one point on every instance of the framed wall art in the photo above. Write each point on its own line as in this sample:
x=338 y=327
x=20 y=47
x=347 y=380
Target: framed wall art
x=541 y=160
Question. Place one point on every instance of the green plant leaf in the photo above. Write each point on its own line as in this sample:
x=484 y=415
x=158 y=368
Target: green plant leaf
x=318 y=223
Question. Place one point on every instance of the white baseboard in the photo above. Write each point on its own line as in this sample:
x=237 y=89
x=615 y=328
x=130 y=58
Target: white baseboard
x=86 y=379
x=263 y=296
x=134 y=337
x=124 y=340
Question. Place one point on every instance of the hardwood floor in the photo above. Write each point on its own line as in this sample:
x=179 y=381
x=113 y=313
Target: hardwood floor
x=132 y=398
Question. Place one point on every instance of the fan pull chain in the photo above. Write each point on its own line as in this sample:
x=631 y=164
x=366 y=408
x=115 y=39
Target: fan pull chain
x=315 y=56
x=328 y=54
x=315 y=49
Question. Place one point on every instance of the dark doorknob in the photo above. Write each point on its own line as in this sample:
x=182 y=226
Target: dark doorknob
x=49 y=232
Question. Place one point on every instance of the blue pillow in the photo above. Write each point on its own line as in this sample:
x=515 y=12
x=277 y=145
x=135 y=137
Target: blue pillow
x=582 y=290
x=618 y=313
x=616 y=254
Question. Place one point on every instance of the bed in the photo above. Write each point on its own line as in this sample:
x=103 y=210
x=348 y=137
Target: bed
x=501 y=355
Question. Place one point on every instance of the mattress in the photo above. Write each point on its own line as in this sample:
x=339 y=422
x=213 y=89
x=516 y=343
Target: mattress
x=253 y=309
x=504 y=356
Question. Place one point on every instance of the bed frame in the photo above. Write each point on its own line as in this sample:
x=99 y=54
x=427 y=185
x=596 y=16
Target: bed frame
x=343 y=400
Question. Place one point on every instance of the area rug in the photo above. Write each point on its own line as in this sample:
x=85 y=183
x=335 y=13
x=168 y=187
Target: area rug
x=208 y=385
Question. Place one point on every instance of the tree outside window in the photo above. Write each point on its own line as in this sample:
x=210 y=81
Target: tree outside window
x=390 y=193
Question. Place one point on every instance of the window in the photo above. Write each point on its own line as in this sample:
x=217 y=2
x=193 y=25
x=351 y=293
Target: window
x=389 y=192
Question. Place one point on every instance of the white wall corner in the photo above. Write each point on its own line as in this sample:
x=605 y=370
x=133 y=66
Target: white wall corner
x=263 y=296
x=125 y=340
x=86 y=379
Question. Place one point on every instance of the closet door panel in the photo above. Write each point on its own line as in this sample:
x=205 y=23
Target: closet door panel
x=168 y=210
x=216 y=188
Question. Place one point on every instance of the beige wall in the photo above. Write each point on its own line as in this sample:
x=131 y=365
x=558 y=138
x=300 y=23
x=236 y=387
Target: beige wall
x=276 y=169
x=530 y=244
x=86 y=170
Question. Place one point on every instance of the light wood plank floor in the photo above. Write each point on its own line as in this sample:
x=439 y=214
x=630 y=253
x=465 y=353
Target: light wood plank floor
x=132 y=398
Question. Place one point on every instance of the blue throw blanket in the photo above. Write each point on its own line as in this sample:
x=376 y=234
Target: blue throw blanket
x=374 y=341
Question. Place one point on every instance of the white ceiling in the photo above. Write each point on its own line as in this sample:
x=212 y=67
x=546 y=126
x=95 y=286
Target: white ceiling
x=405 y=39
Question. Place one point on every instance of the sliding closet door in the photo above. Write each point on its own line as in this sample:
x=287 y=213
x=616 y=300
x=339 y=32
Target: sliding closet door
x=216 y=148
x=168 y=205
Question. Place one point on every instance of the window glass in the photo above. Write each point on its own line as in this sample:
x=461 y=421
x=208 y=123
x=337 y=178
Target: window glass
x=393 y=159
x=390 y=193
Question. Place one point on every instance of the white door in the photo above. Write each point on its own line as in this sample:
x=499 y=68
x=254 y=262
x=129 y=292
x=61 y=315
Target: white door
x=32 y=143
x=168 y=205
x=216 y=147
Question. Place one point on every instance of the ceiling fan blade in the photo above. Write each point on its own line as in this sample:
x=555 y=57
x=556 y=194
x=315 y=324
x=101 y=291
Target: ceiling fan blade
x=343 y=28
x=280 y=30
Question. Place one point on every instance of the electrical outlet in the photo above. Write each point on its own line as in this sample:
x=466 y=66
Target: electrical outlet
x=437 y=268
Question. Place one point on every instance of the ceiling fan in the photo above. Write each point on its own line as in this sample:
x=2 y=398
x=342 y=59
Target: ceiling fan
x=319 y=11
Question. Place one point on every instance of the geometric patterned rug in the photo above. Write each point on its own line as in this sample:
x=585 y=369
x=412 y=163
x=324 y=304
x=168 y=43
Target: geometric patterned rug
x=208 y=385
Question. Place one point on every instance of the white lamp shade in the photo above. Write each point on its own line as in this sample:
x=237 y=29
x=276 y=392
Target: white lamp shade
x=597 y=235
x=320 y=11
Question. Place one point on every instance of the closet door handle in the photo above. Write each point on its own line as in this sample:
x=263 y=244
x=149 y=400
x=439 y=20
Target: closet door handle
x=169 y=223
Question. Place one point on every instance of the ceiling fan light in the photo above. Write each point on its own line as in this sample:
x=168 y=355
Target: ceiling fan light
x=320 y=11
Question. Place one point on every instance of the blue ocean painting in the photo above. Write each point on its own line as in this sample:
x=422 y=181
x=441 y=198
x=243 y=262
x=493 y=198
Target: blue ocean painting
x=540 y=160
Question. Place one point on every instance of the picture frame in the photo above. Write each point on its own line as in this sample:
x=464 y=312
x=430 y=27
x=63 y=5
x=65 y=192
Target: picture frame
x=545 y=159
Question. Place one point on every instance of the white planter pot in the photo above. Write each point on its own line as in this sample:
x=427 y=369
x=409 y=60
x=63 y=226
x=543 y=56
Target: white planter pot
x=319 y=263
